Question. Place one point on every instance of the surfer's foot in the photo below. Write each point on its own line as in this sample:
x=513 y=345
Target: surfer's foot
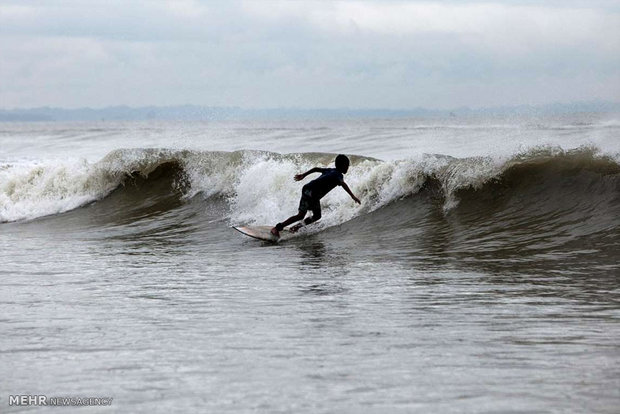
x=277 y=229
x=295 y=228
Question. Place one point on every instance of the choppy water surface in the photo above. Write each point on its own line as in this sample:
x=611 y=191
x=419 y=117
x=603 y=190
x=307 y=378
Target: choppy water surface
x=480 y=273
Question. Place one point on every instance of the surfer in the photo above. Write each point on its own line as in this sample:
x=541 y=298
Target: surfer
x=312 y=193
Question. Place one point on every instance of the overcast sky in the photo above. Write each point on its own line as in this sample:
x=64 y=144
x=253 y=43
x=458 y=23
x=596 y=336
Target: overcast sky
x=309 y=54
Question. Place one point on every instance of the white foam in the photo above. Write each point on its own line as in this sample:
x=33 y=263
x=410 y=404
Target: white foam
x=258 y=185
x=265 y=192
x=33 y=190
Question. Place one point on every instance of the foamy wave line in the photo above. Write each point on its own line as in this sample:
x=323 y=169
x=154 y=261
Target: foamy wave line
x=258 y=185
x=35 y=189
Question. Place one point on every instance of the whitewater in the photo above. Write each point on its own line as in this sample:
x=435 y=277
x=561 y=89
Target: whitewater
x=478 y=274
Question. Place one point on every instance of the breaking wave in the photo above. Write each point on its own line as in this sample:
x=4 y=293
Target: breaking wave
x=580 y=185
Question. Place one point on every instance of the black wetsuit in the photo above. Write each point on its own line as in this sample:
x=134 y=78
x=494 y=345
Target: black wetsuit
x=312 y=192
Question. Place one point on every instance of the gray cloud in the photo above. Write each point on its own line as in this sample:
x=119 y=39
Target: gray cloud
x=307 y=53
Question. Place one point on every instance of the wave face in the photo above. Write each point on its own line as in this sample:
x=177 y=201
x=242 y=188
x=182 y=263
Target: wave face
x=545 y=193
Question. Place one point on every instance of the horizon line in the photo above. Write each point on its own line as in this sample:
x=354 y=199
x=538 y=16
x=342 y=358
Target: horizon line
x=190 y=112
x=594 y=102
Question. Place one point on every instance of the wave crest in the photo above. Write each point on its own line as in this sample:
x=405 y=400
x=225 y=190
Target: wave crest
x=260 y=188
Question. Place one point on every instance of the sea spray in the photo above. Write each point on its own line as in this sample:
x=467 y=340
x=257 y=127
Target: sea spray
x=259 y=185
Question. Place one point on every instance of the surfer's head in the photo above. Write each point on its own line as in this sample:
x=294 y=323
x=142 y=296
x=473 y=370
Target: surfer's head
x=342 y=163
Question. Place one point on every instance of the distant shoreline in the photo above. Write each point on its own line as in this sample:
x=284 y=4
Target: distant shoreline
x=207 y=113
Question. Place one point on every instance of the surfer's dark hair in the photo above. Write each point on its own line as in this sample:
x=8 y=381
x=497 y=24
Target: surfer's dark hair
x=342 y=162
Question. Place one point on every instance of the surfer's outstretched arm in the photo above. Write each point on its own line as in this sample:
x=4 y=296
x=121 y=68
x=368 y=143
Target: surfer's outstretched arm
x=300 y=177
x=348 y=190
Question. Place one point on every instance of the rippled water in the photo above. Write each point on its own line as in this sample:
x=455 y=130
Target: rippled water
x=151 y=298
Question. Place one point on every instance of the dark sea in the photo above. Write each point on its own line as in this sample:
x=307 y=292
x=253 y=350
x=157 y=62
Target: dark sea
x=480 y=274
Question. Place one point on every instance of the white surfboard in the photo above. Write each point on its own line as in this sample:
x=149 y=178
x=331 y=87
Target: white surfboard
x=264 y=233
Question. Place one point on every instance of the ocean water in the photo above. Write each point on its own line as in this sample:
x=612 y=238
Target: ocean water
x=480 y=274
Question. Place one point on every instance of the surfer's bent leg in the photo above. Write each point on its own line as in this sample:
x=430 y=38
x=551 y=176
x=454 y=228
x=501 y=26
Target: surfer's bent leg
x=290 y=220
x=299 y=216
x=306 y=203
x=316 y=214
x=278 y=228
